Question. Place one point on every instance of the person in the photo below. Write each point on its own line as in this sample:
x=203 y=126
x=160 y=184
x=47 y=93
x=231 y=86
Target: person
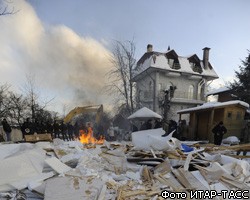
x=134 y=128
x=111 y=132
x=7 y=129
x=70 y=128
x=76 y=131
x=245 y=137
x=158 y=124
x=147 y=125
x=56 y=130
x=27 y=128
x=184 y=130
x=219 y=130
x=171 y=127
x=63 y=131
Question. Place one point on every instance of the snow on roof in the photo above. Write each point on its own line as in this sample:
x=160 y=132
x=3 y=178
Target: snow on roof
x=159 y=60
x=210 y=105
x=217 y=91
x=144 y=113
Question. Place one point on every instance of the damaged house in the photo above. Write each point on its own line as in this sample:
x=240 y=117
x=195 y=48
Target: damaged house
x=187 y=76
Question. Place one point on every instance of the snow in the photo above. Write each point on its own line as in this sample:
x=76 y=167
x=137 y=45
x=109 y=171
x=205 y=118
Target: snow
x=161 y=62
x=217 y=91
x=231 y=140
x=214 y=105
x=144 y=113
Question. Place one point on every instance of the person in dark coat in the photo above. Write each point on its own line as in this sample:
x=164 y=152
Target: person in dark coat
x=76 y=131
x=56 y=131
x=158 y=124
x=27 y=128
x=147 y=125
x=70 y=128
x=171 y=127
x=63 y=130
x=7 y=129
x=219 y=130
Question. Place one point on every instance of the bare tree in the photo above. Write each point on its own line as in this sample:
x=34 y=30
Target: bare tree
x=5 y=9
x=35 y=104
x=4 y=100
x=120 y=76
x=18 y=108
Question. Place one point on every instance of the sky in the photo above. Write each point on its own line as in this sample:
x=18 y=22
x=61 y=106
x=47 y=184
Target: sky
x=66 y=45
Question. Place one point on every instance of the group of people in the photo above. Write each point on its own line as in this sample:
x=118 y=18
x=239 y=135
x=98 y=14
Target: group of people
x=150 y=124
x=58 y=129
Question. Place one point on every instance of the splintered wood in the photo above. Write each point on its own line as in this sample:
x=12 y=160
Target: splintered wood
x=178 y=177
x=172 y=171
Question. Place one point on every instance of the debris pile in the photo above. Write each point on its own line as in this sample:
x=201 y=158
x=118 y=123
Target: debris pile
x=71 y=170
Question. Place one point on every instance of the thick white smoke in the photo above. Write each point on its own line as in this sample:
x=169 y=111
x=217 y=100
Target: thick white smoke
x=66 y=66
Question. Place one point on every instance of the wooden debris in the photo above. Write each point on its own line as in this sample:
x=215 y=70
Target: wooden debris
x=192 y=179
x=146 y=175
x=171 y=182
x=182 y=179
x=163 y=168
x=232 y=183
x=38 y=137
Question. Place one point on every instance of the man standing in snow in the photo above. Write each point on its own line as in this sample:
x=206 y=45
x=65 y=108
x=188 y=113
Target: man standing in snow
x=219 y=130
x=7 y=129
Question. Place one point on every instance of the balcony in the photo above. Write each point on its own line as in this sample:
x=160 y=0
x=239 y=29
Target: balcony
x=186 y=96
x=176 y=66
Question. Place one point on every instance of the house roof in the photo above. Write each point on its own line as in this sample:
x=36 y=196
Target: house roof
x=218 y=91
x=158 y=60
x=145 y=113
x=212 y=105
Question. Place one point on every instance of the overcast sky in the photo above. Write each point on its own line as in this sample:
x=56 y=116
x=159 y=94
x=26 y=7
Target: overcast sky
x=66 y=44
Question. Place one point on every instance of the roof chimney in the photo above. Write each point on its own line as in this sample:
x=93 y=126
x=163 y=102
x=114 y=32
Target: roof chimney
x=149 y=48
x=206 y=57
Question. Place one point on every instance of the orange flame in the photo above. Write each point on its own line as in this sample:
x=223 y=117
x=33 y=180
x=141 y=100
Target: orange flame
x=88 y=138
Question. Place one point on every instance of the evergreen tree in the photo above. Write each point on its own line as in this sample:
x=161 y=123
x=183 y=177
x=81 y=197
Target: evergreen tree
x=241 y=86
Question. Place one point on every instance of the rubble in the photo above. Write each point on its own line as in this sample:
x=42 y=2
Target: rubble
x=121 y=170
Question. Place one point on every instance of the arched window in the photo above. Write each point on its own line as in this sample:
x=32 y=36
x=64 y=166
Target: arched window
x=191 y=92
x=150 y=86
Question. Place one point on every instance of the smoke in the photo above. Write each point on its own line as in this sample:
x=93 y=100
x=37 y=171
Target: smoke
x=68 y=67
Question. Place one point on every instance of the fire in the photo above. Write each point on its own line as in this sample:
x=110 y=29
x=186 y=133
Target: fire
x=88 y=138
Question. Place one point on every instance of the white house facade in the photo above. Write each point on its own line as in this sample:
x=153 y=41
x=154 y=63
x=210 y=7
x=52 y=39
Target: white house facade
x=157 y=72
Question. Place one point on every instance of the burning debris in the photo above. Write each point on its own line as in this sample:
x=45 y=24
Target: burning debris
x=87 y=136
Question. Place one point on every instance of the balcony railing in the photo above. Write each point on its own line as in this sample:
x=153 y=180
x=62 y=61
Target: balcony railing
x=187 y=95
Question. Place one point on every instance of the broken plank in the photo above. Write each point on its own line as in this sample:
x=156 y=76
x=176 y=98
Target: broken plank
x=192 y=179
x=182 y=179
x=134 y=193
x=171 y=182
x=38 y=137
